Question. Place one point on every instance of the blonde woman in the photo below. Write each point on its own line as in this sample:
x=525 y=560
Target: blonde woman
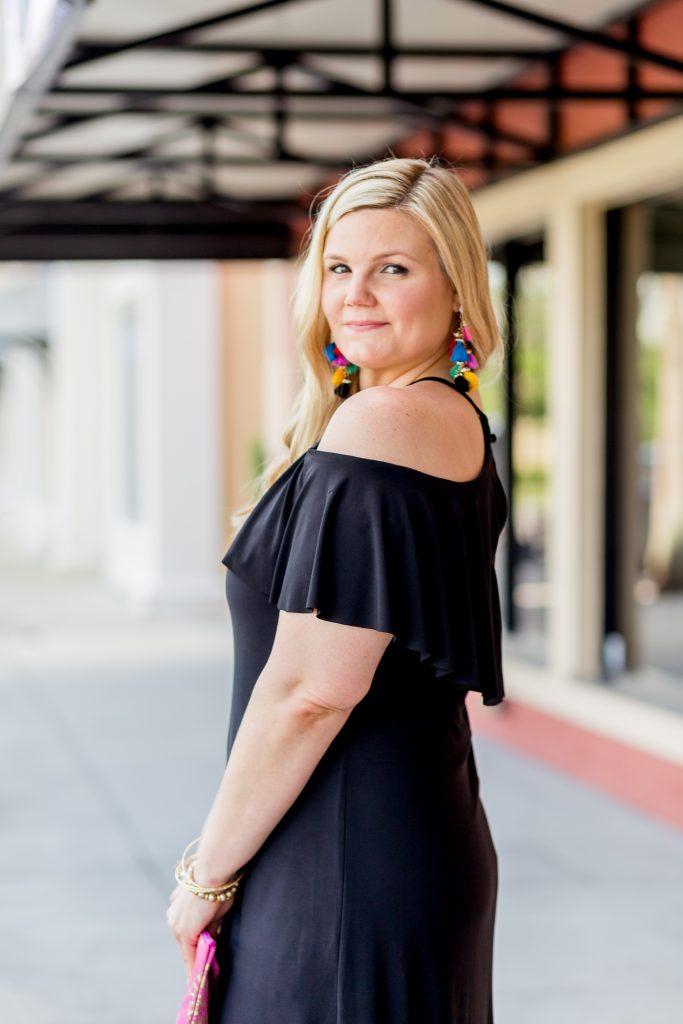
x=365 y=605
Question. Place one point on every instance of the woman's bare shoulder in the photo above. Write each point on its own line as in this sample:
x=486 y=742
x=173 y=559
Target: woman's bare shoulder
x=430 y=429
x=376 y=423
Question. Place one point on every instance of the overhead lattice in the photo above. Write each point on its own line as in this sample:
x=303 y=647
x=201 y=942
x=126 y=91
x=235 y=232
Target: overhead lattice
x=217 y=130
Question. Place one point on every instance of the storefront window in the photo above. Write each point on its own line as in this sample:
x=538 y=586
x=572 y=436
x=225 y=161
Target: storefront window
x=518 y=404
x=659 y=586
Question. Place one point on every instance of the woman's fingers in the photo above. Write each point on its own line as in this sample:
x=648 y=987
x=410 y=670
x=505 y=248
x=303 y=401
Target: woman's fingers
x=186 y=945
x=187 y=917
x=188 y=951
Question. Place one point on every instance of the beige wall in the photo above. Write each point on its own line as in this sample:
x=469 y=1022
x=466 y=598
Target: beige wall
x=259 y=370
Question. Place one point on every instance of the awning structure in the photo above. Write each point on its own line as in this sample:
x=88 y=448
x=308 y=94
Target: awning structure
x=170 y=134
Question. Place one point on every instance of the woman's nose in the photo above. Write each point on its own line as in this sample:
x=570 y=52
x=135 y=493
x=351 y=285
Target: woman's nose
x=358 y=291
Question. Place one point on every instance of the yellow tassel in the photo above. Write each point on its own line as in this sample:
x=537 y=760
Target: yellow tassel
x=471 y=379
x=338 y=376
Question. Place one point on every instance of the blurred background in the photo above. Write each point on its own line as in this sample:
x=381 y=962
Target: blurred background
x=157 y=165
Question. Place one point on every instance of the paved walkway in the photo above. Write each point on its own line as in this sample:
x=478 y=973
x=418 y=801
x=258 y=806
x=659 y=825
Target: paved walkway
x=112 y=740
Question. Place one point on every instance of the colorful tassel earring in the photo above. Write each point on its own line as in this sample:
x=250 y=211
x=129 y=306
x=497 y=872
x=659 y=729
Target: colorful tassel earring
x=344 y=370
x=463 y=358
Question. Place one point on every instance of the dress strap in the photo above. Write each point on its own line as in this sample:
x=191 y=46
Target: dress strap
x=488 y=436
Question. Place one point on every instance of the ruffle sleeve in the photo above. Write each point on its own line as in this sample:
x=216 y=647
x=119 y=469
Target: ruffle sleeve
x=375 y=544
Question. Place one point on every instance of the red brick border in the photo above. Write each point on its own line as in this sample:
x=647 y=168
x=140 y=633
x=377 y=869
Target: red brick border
x=640 y=779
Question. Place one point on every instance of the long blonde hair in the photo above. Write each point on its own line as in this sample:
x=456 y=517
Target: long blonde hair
x=433 y=194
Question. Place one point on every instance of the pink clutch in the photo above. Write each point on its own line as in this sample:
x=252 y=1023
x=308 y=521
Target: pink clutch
x=195 y=1006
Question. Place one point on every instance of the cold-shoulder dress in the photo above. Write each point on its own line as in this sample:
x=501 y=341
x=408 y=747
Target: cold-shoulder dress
x=373 y=900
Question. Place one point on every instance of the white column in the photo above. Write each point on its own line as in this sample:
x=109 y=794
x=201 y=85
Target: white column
x=23 y=392
x=77 y=386
x=575 y=250
x=135 y=449
x=186 y=504
x=163 y=430
x=130 y=413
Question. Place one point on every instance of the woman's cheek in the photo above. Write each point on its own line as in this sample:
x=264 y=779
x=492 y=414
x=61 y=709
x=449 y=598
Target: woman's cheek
x=330 y=297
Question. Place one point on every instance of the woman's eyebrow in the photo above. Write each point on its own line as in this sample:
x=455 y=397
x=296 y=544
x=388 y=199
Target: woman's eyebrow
x=379 y=256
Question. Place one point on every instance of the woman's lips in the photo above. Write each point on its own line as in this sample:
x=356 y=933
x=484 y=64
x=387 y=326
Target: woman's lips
x=364 y=325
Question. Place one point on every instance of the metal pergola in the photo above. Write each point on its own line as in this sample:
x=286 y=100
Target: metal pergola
x=225 y=164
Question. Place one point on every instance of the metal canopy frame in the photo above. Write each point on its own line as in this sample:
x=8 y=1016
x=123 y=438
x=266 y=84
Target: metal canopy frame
x=56 y=223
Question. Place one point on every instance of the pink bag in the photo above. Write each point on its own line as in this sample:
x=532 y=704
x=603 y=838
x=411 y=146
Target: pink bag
x=195 y=1005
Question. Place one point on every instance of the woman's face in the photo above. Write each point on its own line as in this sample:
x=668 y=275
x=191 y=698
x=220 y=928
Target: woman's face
x=387 y=301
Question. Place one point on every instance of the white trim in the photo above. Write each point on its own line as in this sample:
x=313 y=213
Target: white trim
x=645 y=163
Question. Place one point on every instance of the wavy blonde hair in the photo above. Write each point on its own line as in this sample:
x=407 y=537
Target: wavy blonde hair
x=433 y=194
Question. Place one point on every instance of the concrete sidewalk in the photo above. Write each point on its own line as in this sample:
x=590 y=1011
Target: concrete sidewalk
x=112 y=742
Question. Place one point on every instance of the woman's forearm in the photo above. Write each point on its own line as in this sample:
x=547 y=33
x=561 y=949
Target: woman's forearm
x=279 y=742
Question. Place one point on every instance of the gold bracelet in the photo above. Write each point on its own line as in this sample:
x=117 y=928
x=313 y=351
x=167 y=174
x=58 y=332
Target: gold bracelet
x=211 y=893
x=184 y=875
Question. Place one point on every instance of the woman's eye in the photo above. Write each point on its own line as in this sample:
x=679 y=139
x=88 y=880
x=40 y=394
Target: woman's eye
x=393 y=268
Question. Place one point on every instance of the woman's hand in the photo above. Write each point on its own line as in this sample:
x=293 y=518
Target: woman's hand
x=188 y=915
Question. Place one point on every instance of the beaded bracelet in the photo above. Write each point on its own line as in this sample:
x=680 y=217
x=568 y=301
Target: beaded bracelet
x=184 y=876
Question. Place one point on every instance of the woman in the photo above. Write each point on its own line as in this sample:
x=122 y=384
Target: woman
x=350 y=800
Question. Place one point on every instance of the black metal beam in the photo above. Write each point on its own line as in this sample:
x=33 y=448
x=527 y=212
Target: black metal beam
x=52 y=216
x=279 y=113
x=271 y=52
x=489 y=155
x=413 y=96
x=141 y=156
x=438 y=117
x=554 y=114
x=632 y=72
x=585 y=35
x=261 y=241
x=169 y=230
x=513 y=260
x=612 y=451
x=388 y=50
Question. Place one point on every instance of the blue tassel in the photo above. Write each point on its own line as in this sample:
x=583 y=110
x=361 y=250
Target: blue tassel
x=459 y=353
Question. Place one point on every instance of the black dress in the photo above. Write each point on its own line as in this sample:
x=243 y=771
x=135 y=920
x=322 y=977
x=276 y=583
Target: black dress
x=373 y=900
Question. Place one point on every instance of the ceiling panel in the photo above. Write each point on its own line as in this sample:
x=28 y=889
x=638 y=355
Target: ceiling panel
x=303 y=22
x=173 y=68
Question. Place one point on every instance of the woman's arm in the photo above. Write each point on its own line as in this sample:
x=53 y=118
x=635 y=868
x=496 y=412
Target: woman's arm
x=316 y=673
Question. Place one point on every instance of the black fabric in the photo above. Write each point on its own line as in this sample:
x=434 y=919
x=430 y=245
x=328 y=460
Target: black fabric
x=376 y=544
x=373 y=899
